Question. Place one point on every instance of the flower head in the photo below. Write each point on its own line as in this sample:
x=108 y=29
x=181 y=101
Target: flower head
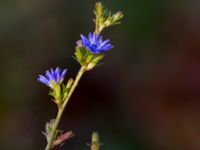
x=53 y=77
x=95 y=43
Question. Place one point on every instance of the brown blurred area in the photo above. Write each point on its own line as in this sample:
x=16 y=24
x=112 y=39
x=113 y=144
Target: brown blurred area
x=166 y=98
x=146 y=96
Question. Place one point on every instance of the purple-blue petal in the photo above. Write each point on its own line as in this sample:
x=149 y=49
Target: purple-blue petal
x=57 y=72
x=44 y=80
x=105 y=42
x=63 y=75
x=51 y=71
x=95 y=43
x=90 y=36
x=100 y=39
x=48 y=75
x=84 y=39
x=56 y=76
x=108 y=47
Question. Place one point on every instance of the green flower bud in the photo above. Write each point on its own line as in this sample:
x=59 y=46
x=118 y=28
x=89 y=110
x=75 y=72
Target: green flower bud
x=117 y=16
x=113 y=19
x=95 y=141
x=95 y=137
x=99 y=9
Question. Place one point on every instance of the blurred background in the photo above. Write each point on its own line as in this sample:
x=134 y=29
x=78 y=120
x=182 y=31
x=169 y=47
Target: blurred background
x=146 y=96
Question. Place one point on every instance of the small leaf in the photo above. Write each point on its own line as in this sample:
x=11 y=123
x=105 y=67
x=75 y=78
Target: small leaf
x=69 y=83
x=62 y=138
x=48 y=129
x=94 y=62
x=52 y=93
x=66 y=89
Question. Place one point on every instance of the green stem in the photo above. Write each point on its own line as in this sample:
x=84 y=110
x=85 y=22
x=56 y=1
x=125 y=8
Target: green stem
x=97 y=26
x=62 y=108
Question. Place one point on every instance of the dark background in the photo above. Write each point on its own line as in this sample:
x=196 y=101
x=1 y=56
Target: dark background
x=146 y=96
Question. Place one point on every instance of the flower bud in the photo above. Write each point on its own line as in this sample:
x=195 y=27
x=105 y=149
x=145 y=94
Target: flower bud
x=99 y=9
x=117 y=16
x=95 y=137
x=95 y=145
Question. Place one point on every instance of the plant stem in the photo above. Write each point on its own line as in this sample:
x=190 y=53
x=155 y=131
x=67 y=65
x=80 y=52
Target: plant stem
x=62 y=108
x=97 y=26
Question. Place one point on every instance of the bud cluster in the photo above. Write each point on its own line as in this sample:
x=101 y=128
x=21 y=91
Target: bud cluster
x=105 y=18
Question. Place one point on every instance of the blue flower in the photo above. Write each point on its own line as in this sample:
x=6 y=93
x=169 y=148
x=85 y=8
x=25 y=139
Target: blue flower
x=53 y=77
x=95 y=43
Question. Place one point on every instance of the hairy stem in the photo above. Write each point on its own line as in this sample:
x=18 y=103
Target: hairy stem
x=62 y=108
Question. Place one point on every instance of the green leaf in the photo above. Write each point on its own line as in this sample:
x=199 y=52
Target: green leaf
x=52 y=93
x=49 y=129
x=89 y=57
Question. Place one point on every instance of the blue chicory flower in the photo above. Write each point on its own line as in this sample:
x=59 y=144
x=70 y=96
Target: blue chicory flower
x=95 y=43
x=53 y=77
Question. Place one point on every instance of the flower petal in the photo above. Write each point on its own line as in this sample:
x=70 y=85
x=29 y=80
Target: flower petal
x=63 y=75
x=44 y=80
x=95 y=43
x=48 y=75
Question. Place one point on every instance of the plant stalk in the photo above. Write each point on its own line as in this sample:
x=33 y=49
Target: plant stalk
x=62 y=108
